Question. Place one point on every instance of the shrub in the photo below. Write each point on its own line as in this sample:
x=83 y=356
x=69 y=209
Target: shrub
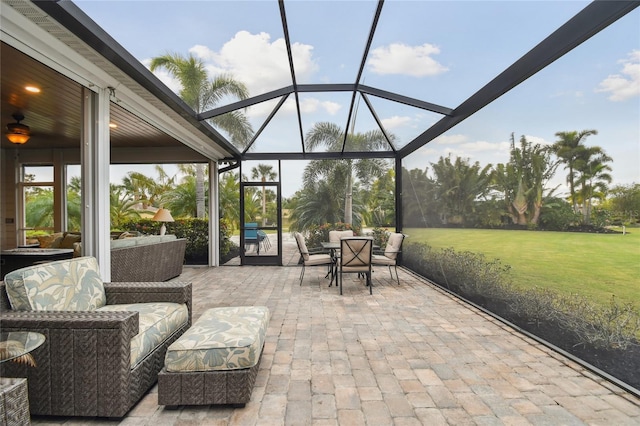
x=380 y=237
x=487 y=283
x=196 y=231
x=466 y=273
x=612 y=326
x=316 y=234
x=558 y=215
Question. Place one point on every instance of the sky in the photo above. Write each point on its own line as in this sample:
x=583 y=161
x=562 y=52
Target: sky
x=438 y=52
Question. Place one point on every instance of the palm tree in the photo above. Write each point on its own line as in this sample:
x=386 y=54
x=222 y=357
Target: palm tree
x=229 y=198
x=418 y=198
x=568 y=149
x=317 y=203
x=381 y=201
x=332 y=137
x=263 y=172
x=122 y=206
x=201 y=93
x=522 y=180
x=458 y=186
x=181 y=201
x=593 y=178
x=39 y=209
x=140 y=187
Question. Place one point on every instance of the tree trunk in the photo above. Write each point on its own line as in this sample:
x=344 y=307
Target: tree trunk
x=264 y=203
x=572 y=190
x=587 y=212
x=200 y=191
x=537 y=206
x=348 y=202
x=520 y=205
x=536 y=213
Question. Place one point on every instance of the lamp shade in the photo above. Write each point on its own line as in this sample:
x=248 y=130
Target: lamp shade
x=17 y=132
x=162 y=215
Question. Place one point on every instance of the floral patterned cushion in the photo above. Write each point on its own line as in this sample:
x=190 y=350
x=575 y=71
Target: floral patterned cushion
x=157 y=322
x=64 y=285
x=229 y=338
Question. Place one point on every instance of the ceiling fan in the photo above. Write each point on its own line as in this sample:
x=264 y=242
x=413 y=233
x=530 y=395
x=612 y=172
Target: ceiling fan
x=17 y=132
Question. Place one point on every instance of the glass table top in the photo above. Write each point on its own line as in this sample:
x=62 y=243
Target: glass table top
x=16 y=346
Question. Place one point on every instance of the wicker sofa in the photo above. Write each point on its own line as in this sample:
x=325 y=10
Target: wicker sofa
x=149 y=258
x=133 y=258
x=105 y=342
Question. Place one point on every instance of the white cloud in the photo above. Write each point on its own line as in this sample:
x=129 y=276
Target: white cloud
x=537 y=140
x=398 y=58
x=450 y=139
x=396 y=122
x=484 y=146
x=331 y=107
x=310 y=105
x=625 y=85
x=257 y=61
x=254 y=59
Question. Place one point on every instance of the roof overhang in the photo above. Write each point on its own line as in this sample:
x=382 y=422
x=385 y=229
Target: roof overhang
x=62 y=37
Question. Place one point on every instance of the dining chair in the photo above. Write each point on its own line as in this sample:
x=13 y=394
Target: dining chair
x=312 y=259
x=389 y=257
x=355 y=257
x=251 y=235
x=263 y=239
x=334 y=237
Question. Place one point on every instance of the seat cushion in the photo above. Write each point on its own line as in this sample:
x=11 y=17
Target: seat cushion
x=157 y=322
x=229 y=338
x=317 y=259
x=63 y=285
x=382 y=260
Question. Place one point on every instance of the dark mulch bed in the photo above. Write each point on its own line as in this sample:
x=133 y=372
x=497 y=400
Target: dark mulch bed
x=623 y=364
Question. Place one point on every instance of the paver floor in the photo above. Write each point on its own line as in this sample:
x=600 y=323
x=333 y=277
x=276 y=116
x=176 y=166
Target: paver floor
x=406 y=355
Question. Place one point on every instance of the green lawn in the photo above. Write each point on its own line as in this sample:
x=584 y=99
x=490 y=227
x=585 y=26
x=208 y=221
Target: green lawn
x=594 y=265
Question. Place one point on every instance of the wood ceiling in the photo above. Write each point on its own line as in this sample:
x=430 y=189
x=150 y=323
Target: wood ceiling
x=54 y=114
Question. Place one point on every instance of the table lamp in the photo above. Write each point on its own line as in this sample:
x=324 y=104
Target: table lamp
x=162 y=215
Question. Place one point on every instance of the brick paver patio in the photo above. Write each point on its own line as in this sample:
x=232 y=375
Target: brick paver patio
x=407 y=355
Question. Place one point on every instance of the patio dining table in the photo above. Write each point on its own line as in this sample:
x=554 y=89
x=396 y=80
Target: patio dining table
x=334 y=247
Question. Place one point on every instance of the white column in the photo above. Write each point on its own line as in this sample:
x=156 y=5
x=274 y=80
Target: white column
x=95 y=179
x=214 y=215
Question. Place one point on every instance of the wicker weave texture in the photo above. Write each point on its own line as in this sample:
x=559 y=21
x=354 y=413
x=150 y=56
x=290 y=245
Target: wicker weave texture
x=207 y=387
x=14 y=403
x=151 y=262
x=83 y=368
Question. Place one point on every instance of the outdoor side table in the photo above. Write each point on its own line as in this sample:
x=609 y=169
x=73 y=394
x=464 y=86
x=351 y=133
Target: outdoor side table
x=16 y=346
x=17 y=258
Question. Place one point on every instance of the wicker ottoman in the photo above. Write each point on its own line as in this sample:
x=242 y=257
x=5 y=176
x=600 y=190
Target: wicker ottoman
x=14 y=402
x=216 y=361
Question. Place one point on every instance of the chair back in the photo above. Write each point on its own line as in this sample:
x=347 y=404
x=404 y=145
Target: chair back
x=63 y=285
x=335 y=236
x=394 y=245
x=302 y=246
x=251 y=231
x=355 y=254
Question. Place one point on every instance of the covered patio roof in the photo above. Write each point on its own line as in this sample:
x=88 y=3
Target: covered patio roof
x=133 y=82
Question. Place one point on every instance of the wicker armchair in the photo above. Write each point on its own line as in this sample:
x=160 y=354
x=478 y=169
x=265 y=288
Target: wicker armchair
x=84 y=366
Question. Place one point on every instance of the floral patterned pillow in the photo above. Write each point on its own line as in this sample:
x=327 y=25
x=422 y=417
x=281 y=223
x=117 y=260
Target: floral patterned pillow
x=65 y=285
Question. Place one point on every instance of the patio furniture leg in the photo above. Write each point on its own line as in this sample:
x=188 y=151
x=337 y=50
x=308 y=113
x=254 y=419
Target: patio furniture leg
x=302 y=274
